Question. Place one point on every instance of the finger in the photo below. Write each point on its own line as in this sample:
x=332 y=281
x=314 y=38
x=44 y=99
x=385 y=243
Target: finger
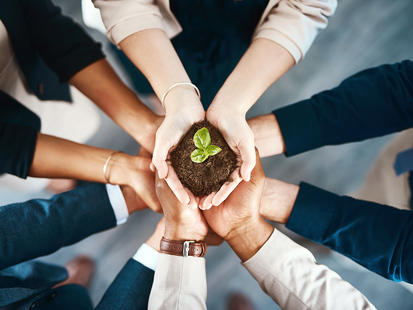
x=152 y=167
x=258 y=171
x=206 y=202
x=193 y=201
x=227 y=188
x=176 y=186
x=248 y=159
x=160 y=154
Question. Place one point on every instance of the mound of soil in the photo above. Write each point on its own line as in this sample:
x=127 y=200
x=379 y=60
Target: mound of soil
x=206 y=177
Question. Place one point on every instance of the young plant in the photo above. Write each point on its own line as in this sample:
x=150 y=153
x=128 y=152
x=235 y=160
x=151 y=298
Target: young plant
x=202 y=141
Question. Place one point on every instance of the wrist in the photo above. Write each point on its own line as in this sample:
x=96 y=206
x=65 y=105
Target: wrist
x=121 y=168
x=181 y=97
x=182 y=232
x=249 y=238
x=267 y=135
x=277 y=200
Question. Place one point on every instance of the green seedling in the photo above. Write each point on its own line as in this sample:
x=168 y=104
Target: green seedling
x=202 y=141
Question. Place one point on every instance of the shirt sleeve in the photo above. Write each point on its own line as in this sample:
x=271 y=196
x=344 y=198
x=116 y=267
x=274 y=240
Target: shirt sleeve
x=118 y=203
x=294 y=24
x=123 y=18
x=369 y=104
x=179 y=283
x=147 y=256
x=290 y=275
x=376 y=236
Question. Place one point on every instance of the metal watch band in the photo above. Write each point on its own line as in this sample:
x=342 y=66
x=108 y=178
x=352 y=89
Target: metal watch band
x=183 y=248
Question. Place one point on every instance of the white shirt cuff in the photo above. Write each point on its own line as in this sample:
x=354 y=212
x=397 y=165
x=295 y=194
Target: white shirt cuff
x=118 y=203
x=147 y=256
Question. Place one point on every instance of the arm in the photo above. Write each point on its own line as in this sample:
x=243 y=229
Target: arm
x=345 y=224
x=132 y=286
x=284 y=35
x=79 y=60
x=42 y=226
x=371 y=103
x=286 y=271
x=291 y=276
x=102 y=85
x=152 y=52
x=179 y=282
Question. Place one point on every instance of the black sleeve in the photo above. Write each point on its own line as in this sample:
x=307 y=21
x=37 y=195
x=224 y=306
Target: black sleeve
x=369 y=104
x=376 y=236
x=64 y=45
x=18 y=135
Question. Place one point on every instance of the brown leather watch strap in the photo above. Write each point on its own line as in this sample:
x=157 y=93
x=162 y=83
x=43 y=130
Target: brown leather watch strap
x=183 y=248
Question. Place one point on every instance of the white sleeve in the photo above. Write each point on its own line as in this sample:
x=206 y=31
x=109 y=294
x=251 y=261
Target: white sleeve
x=147 y=256
x=179 y=283
x=294 y=24
x=291 y=276
x=118 y=203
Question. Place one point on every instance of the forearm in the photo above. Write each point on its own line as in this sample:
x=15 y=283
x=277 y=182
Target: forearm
x=60 y=158
x=290 y=275
x=154 y=55
x=102 y=85
x=262 y=64
x=345 y=224
x=368 y=104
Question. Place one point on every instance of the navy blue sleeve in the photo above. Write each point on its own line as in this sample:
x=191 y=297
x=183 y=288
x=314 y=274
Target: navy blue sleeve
x=371 y=103
x=18 y=135
x=42 y=226
x=376 y=236
x=130 y=290
x=63 y=45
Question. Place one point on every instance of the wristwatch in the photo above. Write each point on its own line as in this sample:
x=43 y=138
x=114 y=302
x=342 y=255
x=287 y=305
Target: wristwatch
x=183 y=248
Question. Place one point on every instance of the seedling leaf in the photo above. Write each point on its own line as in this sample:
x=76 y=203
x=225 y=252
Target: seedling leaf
x=202 y=139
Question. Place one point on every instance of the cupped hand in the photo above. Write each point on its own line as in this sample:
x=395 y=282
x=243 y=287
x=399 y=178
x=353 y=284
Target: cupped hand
x=183 y=109
x=181 y=222
x=240 y=138
x=241 y=208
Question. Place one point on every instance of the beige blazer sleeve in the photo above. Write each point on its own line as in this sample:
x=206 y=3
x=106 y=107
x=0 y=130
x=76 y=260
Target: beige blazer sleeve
x=294 y=24
x=290 y=275
x=179 y=283
x=123 y=18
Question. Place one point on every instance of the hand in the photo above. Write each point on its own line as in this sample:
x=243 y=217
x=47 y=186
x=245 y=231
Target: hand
x=277 y=200
x=134 y=172
x=181 y=221
x=238 y=220
x=241 y=208
x=240 y=138
x=183 y=109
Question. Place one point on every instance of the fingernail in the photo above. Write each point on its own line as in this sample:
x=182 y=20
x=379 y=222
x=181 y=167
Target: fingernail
x=152 y=167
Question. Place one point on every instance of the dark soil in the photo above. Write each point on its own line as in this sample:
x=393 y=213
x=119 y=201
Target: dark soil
x=206 y=177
